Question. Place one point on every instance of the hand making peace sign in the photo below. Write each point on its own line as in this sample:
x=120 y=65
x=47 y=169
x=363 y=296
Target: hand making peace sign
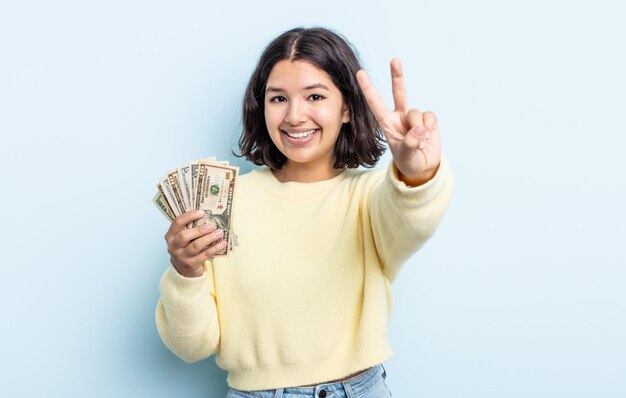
x=412 y=136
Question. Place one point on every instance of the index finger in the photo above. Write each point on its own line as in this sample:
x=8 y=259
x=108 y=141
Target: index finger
x=181 y=221
x=397 y=85
x=371 y=96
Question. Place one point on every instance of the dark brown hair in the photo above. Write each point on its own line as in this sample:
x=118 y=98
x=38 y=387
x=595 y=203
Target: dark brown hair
x=360 y=141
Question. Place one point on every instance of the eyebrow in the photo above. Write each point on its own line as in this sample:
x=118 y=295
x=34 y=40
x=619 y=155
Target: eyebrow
x=311 y=87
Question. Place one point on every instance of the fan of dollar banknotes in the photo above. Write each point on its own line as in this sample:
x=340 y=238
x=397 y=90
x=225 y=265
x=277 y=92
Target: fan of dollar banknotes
x=207 y=185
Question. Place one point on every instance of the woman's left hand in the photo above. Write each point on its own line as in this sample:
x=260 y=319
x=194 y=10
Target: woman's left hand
x=412 y=136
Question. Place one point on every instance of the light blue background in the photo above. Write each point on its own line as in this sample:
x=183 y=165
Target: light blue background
x=521 y=293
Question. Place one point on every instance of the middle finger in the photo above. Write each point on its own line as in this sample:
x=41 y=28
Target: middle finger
x=397 y=86
x=200 y=244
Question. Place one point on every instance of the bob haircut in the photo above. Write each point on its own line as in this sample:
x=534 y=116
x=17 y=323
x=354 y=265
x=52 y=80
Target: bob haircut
x=360 y=141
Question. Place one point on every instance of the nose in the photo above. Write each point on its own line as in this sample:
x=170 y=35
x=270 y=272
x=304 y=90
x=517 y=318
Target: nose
x=296 y=113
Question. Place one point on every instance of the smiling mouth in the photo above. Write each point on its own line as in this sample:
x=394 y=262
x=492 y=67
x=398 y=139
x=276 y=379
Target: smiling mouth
x=300 y=135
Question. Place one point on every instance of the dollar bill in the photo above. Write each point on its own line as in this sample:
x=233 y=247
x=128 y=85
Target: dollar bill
x=166 y=190
x=184 y=179
x=172 y=185
x=163 y=206
x=207 y=185
x=193 y=175
x=215 y=191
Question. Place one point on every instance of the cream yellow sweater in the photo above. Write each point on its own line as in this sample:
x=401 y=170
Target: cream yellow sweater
x=306 y=296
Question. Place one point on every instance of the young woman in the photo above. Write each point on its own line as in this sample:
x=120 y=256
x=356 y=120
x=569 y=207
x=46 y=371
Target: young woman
x=300 y=308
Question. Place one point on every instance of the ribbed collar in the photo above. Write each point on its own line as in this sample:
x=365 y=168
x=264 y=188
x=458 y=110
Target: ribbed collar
x=294 y=190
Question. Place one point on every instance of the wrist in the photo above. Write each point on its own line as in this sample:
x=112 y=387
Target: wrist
x=412 y=181
x=187 y=272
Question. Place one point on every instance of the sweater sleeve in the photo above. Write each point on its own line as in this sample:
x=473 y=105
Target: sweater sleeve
x=186 y=314
x=403 y=218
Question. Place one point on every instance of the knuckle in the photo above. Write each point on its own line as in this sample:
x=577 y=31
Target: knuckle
x=175 y=240
x=195 y=246
x=183 y=235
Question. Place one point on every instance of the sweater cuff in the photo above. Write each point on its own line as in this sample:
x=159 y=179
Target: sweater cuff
x=421 y=193
x=175 y=284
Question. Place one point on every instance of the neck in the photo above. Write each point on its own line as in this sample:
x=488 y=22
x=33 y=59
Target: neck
x=295 y=172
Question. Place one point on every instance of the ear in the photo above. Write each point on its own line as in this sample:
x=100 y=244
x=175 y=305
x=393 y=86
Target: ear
x=345 y=117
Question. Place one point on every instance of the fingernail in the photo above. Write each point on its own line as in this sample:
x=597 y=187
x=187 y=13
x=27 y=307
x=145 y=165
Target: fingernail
x=199 y=213
x=220 y=232
x=427 y=134
x=223 y=244
x=421 y=145
x=206 y=228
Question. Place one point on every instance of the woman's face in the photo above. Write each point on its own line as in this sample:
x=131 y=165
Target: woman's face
x=304 y=112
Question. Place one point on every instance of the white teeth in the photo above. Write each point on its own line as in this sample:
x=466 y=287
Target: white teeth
x=301 y=135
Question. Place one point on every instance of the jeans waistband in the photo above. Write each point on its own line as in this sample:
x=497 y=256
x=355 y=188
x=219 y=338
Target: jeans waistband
x=356 y=385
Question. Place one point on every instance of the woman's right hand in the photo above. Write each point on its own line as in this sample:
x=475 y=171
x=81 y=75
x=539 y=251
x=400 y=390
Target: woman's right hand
x=189 y=248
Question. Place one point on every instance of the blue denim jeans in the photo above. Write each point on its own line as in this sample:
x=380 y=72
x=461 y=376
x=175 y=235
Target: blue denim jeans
x=369 y=384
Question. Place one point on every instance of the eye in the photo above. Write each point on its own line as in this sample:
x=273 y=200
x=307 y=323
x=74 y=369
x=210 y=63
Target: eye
x=278 y=98
x=316 y=97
